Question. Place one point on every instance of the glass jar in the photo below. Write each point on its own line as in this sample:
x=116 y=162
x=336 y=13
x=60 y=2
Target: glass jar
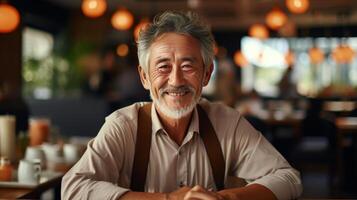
x=39 y=130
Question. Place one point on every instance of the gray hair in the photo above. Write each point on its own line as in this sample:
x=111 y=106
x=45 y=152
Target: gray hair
x=176 y=22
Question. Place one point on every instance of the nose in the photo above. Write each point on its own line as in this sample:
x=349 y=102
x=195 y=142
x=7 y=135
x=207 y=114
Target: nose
x=176 y=77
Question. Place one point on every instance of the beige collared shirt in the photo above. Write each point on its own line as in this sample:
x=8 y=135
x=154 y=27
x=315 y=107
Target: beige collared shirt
x=104 y=171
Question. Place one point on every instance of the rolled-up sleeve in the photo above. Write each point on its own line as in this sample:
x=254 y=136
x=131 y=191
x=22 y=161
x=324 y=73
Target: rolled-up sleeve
x=259 y=162
x=96 y=174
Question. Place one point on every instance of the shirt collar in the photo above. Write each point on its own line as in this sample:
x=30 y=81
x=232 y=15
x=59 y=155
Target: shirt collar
x=157 y=126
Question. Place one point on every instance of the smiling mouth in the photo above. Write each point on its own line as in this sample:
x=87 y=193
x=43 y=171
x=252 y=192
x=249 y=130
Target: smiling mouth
x=176 y=94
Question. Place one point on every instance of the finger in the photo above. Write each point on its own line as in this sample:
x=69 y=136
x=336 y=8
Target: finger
x=198 y=188
x=210 y=191
x=193 y=195
x=215 y=194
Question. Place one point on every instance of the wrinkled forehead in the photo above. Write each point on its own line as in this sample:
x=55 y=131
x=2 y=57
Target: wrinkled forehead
x=174 y=43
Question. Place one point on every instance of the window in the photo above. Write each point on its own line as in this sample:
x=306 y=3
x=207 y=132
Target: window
x=268 y=65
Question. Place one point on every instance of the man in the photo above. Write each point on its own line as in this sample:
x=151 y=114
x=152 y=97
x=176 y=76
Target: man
x=175 y=55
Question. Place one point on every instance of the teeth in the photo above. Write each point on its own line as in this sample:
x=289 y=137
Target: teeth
x=176 y=93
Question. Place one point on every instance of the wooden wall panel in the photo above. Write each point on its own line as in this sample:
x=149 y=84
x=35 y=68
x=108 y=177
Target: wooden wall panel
x=11 y=61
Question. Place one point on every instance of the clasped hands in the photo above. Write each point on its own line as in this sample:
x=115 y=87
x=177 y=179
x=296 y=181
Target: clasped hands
x=195 y=193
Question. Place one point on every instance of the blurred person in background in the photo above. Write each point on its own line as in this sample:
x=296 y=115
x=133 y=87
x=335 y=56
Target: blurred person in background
x=227 y=85
x=180 y=146
x=125 y=86
x=287 y=88
x=93 y=83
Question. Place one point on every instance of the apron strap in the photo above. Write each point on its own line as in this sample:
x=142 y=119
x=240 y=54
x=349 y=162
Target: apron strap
x=142 y=149
x=213 y=148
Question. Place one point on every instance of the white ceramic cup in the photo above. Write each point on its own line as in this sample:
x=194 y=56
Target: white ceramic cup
x=36 y=152
x=71 y=153
x=29 y=171
x=52 y=151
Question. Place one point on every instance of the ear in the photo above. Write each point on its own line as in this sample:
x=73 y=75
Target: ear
x=207 y=75
x=144 y=78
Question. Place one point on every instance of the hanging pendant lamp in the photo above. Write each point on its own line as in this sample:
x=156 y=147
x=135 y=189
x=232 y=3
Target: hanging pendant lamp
x=276 y=18
x=9 y=18
x=94 y=8
x=122 y=19
x=297 y=6
x=259 y=31
x=316 y=55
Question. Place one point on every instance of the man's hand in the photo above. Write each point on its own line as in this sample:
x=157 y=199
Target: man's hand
x=195 y=193
x=178 y=194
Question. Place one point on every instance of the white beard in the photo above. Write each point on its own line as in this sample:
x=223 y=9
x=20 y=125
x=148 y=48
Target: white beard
x=172 y=112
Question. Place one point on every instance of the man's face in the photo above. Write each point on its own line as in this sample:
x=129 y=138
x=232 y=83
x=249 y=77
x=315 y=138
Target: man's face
x=176 y=73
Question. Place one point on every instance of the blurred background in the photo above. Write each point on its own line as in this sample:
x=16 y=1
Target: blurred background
x=288 y=65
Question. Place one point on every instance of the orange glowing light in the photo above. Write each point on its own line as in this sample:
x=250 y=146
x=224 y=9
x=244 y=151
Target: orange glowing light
x=122 y=19
x=276 y=18
x=9 y=18
x=142 y=24
x=349 y=53
x=94 y=8
x=259 y=31
x=290 y=58
x=316 y=55
x=240 y=60
x=343 y=54
x=297 y=6
x=122 y=50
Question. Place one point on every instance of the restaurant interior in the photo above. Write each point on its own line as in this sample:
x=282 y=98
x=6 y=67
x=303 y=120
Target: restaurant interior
x=289 y=66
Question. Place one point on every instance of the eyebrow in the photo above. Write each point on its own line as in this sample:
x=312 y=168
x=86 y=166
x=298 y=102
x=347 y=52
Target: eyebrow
x=189 y=58
x=160 y=60
x=183 y=59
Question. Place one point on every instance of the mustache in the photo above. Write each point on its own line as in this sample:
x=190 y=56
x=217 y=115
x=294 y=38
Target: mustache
x=179 y=89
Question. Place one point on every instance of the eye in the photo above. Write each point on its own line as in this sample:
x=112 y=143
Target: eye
x=163 y=68
x=187 y=67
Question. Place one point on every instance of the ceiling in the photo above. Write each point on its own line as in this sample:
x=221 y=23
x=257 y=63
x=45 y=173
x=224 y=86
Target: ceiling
x=239 y=14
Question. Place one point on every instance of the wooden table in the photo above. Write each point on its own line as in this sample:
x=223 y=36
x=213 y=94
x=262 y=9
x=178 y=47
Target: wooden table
x=292 y=121
x=347 y=124
x=30 y=193
x=324 y=199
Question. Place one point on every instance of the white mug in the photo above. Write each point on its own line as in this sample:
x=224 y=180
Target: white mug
x=29 y=171
x=52 y=151
x=71 y=153
x=36 y=152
